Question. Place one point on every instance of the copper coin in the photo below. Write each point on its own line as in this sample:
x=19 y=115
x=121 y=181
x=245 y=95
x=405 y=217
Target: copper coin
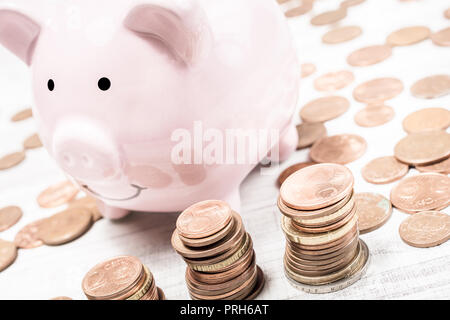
x=232 y=239
x=328 y=219
x=22 y=115
x=426 y=191
x=374 y=115
x=65 y=226
x=329 y=17
x=369 y=55
x=378 y=90
x=423 y=147
x=341 y=34
x=317 y=186
x=439 y=167
x=324 y=109
x=334 y=80
x=260 y=282
x=384 y=170
x=409 y=35
x=89 y=203
x=204 y=219
x=203 y=242
x=347 y=217
x=426 y=229
x=57 y=194
x=431 y=87
x=290 y=170
x=341 y=149
x=11 y=160
x=61 y=298
x=308 y=133
x=315 y=216
x=307 y=69
x=32 y=142
x=447 y=13
x=112 y=277
x=305 y=7
x=28 y=236
x=9 y=216
x=373 y=211
x=351 y=3
x=442 y=37
x=8 y=254
x=428 y=119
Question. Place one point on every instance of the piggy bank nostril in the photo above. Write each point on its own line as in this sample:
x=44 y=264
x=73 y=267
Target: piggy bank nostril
x=87 y=162
x=68 y=160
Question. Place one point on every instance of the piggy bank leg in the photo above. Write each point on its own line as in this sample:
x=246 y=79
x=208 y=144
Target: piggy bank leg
x=112 y=213
x=287 y=145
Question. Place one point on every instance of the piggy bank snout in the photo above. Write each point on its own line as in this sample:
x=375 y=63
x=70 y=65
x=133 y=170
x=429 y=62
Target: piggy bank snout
x=86 y=152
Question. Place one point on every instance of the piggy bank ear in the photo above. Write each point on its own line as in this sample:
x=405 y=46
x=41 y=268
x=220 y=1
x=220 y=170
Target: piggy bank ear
x=18 y=33
x=183 y=31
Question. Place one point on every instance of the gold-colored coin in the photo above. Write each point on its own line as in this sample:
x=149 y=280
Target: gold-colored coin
x=8 y=254
x=9 y=216
x=378 y=90
x=307 y=69
x=324 y=109
x=32 y=142
x=22 y=115
x=432 y=87
x=341 y=34
x=442 y=37
x=11 y=160
x=308 y=133
x=429 y=119
x=369 y=55
x=329 y=17
x=409 y=35
x=374 y=115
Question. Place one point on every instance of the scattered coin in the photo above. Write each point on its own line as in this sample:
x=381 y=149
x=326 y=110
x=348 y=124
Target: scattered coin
x=11 y=160
x=22 y=115
x=61 y=298
x=308 y=133
x=28 y=236
x=439 y=167
x=334 y=81
x=329 y=17
x=32 y=142
x=409 y=35
x=204 y=219
x=8 y=254
x=341 y=149
x=374 y=115
x=384 y=170
x=57 y=194
x=373 y=211
x=324 y=109
x=369 y=55
x=428 y=119
x=341 y=34
x=121 y=278
x=426 y=191
x=317 y=186
x=290 y=170
x=65 y=226
x=378 y=90
x=426 y=229
x=442 y=37
x=305 y=7
x=423 y=147
x=307 y=69
x=9 y=216
x=431 y=87
x=351 y=3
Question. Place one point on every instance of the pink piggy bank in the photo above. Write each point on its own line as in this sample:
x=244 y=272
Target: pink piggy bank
x=137 y=100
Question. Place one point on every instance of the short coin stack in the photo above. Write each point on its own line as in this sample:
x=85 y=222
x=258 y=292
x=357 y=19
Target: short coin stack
x=121 y=278
x=219 y=253
x=323 y=249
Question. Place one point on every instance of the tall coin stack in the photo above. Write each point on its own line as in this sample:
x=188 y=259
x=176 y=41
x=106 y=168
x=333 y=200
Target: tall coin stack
x=121 y=278
x=323 y=249
x=219 y=253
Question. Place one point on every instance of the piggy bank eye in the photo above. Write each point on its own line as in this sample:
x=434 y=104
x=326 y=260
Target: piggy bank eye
x=51 y=85
x=104 y=84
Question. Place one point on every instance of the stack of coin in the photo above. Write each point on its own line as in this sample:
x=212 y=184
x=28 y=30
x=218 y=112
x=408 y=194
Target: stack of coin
x=323 y=249
x=121 y=278
x=219 y=253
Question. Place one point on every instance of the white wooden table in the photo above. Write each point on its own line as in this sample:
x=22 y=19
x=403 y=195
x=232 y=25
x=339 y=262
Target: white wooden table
x=396 y=271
